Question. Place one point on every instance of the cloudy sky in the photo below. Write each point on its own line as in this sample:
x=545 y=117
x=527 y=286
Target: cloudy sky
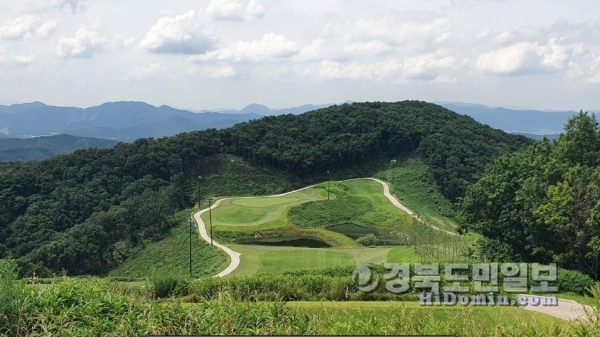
x=211 y=54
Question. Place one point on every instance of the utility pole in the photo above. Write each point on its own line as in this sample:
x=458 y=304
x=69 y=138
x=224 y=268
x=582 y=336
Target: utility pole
x=210 y=217
x=199 y=196
x=190 y=225
x=327 y=184
x=393 y=161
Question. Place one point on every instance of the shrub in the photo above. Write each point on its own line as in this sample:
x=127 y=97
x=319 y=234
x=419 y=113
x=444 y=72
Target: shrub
x=573 y=281
x=167 y=285
x=368 y=240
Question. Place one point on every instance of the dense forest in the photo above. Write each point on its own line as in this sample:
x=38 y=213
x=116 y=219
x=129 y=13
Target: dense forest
x=86 y=212
x=543 y=204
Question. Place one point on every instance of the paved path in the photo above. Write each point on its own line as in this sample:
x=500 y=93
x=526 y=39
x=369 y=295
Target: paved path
x=566 y=309
x=235 y=256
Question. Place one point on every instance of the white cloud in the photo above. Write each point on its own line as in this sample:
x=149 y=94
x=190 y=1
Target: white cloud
x=358 y=71
x=44 y=5
x=123 y=41
x=371 y=38
x=24 y=59
x=26 y=26
x=594 y=79
x=85 y=44
x=140 y=73
x=20 y=27
x=47 y=29
x=181 y=34
x=425 y=67
x=221 y=72
x=255 y=10
x=225 y=10
x=527 y=57
x=269 y=47
x=235 y=10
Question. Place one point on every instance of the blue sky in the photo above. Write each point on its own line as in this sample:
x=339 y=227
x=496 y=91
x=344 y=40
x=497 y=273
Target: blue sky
x=542 y=54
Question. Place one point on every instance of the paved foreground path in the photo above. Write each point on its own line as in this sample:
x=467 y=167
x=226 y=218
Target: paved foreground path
x=566 y=309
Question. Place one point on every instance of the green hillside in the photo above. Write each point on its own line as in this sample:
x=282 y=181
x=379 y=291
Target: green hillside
x=40 y=148
x=87 y=212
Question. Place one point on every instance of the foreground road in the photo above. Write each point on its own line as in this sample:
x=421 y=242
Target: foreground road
x=566 y=309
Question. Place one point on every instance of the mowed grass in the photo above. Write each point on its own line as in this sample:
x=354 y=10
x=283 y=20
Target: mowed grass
x=171 y=256
x=263 y=202
x=249 y=214
x=402 y=254
x=266 y=259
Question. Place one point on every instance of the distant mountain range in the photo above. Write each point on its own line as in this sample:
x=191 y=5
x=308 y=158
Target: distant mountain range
x=128 y=121
x=39 y=148
x=531 y=123
x=124 y=121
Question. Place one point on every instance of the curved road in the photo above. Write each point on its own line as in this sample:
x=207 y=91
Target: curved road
x=235 y=256
x=566 y=309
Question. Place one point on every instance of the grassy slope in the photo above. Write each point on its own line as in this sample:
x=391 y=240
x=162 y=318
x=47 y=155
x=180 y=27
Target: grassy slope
x=411 y=183
x=171 y=255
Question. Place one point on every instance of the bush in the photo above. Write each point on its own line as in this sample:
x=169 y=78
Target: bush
x=368 y=240
x=12 y=297
x=167 y=285
x=573 y=281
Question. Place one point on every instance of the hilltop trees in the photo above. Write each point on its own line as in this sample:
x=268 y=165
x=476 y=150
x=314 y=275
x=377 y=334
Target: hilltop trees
x=543 y=204
x=87 y=211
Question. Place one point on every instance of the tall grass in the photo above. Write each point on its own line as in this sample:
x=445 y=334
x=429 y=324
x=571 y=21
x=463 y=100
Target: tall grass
x=98 y=307
x=12 y=297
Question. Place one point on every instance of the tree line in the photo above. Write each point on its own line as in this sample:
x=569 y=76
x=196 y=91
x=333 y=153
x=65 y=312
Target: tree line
x=542 y=204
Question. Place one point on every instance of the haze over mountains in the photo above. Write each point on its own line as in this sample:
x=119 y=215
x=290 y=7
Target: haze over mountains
x=528 y=122
x=128 y=121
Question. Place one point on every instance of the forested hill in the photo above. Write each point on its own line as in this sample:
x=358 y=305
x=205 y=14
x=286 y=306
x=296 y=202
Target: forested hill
x=88 y=211
x=40 y=148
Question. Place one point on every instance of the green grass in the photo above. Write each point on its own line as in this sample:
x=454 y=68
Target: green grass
x=171 y=255
x=411 y=182
x=263 y=202
x=264 y=259
x=402 y=254
x=325 y=213
x=359 y=208
x=256 y=214
x=489 y=316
